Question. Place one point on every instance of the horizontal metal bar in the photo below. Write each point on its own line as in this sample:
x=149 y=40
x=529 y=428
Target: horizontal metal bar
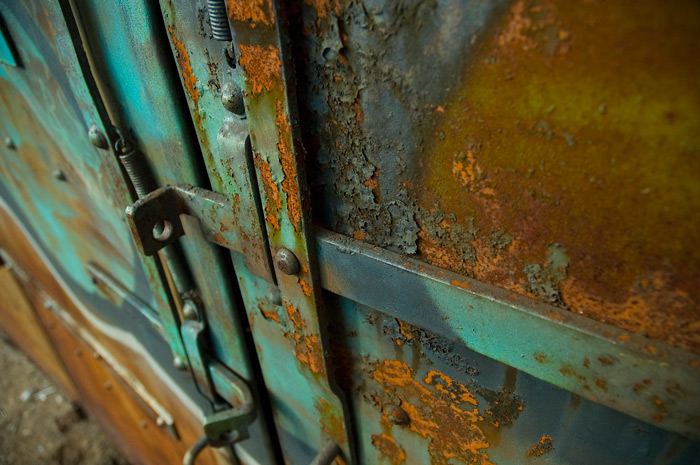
x=626 y=372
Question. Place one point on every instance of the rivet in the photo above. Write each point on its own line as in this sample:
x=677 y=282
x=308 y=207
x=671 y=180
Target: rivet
x=60 y=175
x=397 y=415
x=160 y=421
x=286 y=261
x=10 y=144
x=97 y=138
x=179 y=363
x=189 y=310
x=232 y=98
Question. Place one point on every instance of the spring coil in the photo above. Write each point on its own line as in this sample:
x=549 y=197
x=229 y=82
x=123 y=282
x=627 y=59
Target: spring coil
x=135 y=167
x=218 y=19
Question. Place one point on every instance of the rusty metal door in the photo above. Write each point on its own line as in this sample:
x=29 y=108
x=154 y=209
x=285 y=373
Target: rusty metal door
x=444 y=232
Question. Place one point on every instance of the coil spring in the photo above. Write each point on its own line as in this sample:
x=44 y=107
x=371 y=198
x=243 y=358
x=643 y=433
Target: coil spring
x=134 y=165
x=218 y=19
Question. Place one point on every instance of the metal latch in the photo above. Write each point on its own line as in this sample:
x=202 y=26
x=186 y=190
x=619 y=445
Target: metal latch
x=155 y=222
x=229 y=393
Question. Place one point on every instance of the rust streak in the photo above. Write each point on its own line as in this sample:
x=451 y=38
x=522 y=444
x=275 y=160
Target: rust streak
x=273 y=202
x=289 y=183
x=183 y=60
x=306 y=287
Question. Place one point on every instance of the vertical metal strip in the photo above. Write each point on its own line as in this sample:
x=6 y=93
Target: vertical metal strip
x=269 y=98
x=77 y=64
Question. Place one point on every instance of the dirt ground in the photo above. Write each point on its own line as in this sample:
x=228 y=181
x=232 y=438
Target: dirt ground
x=39 y=425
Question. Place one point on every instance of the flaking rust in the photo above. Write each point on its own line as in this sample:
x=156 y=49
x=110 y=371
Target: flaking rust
x=307 y=348
x=183 y=59
x=389 y=448
x=263 y=67
x=440 y=409
x=274 y=203
x=536 y=142
x=255 y=11
x=289 y=183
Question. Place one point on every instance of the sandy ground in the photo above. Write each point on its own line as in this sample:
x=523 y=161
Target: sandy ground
x=39 y=425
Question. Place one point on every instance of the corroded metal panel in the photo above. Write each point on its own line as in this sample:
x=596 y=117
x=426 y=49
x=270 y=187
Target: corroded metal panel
x=548 y=147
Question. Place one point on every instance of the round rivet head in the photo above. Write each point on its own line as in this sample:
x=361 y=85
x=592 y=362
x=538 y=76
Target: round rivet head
x=232 y=98
x=59 y=174
x=286 y=261
x=179 y=363
x=9 y=143
x=97 y=138
x=397 y=415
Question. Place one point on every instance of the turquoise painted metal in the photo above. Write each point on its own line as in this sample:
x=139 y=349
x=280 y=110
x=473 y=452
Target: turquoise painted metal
x=391 y=232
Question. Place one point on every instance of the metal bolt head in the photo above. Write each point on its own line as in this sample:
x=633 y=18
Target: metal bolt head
x=286 y=261
x=232 y=98
x=59 y=174
x=179 y=363
x=97 y=138
x=397 y=415
x=189 y=310
x=9 y=143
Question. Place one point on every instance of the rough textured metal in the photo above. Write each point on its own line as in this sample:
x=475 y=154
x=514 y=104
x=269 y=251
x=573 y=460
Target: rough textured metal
x=268 y=88
x=596 y=361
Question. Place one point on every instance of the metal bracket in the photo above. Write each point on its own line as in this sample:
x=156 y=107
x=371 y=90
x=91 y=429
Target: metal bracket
x=155 y=222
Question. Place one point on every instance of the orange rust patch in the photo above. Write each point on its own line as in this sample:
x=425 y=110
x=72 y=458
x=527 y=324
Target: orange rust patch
x=359 y=235
x=263 y=67
x=273 y=202
x=295 y=316
x=183 y=60
x=462 y=284
x=445 y=384
x=268 y=315
x=388 y=447
x=331 y=421
x=289 y=183
x=255 y=11
x=532 y=153
x=306 y=287
x=307 y=348
x=465 y=168
x=436 y=414
x=545 y=445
